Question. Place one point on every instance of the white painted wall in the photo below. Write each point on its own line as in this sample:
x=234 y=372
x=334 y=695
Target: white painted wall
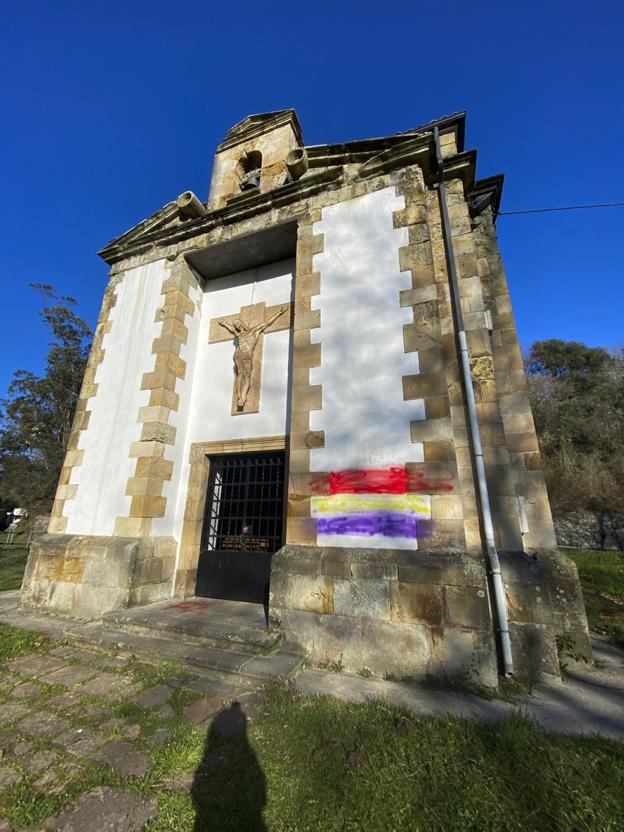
x=113 y=424
x=204 y=412
x=364 y=417
x=210 y=403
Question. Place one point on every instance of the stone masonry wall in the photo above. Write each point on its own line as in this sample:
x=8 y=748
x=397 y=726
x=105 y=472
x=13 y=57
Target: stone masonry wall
x=520 y=466
x=445 y=472
x=393 y=612
x=85 y=576
x=404 y=613
x=542 y=592
x=155 y=450
x=588 y=530
x=453 y=509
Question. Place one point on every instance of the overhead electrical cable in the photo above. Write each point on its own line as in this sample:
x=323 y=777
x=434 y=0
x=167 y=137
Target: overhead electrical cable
x=566 y=208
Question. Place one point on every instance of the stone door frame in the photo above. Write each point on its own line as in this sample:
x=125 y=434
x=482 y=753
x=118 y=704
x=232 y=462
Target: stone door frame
x=199 y=472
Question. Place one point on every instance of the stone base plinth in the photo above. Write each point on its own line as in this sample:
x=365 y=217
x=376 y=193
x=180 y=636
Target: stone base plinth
x=415 y=614
x=85 y=576
x=566 y=599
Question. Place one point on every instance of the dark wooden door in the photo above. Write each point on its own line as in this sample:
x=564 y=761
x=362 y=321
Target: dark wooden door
x=243 y=526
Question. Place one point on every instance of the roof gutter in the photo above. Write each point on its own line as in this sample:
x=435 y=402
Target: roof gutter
x=500 y=603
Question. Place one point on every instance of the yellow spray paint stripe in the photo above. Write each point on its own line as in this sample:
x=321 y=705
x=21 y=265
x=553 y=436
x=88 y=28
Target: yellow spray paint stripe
x=420 y=504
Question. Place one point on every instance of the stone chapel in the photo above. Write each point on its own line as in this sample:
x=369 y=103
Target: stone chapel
x=307 y=393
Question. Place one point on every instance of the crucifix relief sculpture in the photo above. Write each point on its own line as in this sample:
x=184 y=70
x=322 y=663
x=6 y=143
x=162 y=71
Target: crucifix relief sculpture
x=248 y=329
x=246 y=341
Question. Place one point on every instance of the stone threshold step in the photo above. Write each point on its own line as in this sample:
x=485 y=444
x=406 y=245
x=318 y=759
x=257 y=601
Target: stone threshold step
x=206 y=633
x=226 y=664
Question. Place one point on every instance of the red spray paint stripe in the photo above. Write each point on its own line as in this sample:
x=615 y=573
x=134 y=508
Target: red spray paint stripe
x=319 y=484
x=368 y=481
x=418 y=482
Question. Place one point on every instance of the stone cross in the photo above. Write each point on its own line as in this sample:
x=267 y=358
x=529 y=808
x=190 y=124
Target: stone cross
x=247 y=328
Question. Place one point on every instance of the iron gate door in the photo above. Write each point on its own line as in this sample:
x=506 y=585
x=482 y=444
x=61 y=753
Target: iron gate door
x=243 y=524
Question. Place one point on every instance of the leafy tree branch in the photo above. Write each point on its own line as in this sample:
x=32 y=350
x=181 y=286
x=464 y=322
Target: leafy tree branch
x=37 y=415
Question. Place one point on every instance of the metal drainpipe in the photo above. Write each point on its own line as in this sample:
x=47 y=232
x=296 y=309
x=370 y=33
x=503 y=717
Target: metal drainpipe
x=500 y=603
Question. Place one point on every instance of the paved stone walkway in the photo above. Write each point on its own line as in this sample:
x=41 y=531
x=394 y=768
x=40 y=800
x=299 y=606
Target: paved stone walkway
x=71 y=717
x=588 y=701
x=66 y=711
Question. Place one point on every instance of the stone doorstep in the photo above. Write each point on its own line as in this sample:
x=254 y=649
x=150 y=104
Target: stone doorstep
x=233 y=667
x=208 y=634
x=228 y=665
x=105 y=642
x=276 y=667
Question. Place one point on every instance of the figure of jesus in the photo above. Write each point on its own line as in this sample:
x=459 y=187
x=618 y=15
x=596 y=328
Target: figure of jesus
x=245 y=343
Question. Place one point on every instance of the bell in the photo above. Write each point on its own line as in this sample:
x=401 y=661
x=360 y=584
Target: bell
x=250 y=180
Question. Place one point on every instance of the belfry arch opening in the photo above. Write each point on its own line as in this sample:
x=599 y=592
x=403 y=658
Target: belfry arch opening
x=250 y=170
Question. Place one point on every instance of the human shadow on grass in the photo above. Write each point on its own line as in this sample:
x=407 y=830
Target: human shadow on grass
x=229 y=787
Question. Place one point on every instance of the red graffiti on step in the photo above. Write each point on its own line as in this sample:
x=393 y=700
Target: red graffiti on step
x=192 y=605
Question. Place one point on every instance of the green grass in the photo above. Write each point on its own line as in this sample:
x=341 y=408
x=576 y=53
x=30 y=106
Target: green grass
x=329 y=765
x=602 y=579
x=19 y=537
x=12 y=564
x=15 y=642
x=315 y=763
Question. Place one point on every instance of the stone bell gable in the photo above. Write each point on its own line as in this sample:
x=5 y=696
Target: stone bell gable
x=303 y=321
x=261 y=142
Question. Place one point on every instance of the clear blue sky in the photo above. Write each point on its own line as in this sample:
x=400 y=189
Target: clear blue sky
x=111 y=109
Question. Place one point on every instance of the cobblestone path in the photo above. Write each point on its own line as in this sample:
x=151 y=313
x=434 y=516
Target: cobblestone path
x=85 y=736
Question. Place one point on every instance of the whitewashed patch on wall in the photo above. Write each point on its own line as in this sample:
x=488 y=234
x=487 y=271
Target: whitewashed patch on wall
x=365 y=420
x=211 y=405
x=113 y=425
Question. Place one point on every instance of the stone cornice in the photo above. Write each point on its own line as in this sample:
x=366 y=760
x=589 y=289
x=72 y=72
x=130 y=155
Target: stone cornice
x=147 y=227
x=373 y=157
x=239 y=209
x=255 y=125
x=492 y=187
x=357 y=151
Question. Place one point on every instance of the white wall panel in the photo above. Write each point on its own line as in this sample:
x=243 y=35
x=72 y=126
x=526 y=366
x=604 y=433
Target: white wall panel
x=211 y=403
x=113 y=424
x=365 y=419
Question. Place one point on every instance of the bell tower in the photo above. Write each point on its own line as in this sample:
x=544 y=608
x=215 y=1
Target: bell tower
x=252 y=156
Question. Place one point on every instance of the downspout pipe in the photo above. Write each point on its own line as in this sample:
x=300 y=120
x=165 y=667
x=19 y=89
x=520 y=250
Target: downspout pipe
x=500 y=602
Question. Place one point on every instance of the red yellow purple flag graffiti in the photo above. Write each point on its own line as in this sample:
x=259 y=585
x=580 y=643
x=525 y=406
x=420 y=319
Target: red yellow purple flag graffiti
x=370 y=508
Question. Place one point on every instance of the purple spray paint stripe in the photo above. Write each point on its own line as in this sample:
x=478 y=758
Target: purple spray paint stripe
x=386 y=523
